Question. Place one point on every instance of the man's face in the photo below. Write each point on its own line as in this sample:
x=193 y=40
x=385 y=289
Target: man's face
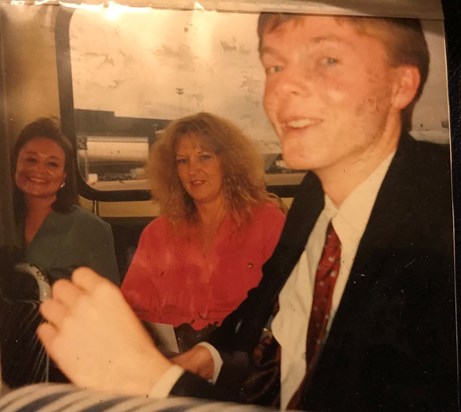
x=328 y=92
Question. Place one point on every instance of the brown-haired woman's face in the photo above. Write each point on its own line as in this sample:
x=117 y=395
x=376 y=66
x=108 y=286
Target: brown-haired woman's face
x=199 y=170
x=40 y=168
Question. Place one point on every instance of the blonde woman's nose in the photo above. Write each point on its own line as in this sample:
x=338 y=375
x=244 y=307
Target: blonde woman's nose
x=193 y=166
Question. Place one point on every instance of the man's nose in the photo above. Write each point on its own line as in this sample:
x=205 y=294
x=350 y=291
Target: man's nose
x=294 y=80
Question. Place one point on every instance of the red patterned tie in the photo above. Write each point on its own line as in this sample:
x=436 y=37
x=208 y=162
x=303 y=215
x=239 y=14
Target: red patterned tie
x=325 y=279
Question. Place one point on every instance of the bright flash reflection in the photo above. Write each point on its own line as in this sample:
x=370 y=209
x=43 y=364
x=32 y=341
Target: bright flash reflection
x=198 y=6
x=82 y=6
x=41 y=2
x=113 y=10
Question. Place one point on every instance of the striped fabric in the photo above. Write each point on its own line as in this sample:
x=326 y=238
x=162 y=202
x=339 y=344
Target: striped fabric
x=58 y=397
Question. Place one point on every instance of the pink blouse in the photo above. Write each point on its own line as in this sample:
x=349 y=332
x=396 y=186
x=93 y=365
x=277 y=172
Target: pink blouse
x=171 y=281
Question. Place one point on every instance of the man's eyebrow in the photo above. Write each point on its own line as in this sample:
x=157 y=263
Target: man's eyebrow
x=267 y=50
x=314 y=41
x=329 y=39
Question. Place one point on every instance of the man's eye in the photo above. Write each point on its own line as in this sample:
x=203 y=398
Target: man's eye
x=30 y=159
x=329 y=61
x=181 y=161
x=274 y=69
x=54 y=165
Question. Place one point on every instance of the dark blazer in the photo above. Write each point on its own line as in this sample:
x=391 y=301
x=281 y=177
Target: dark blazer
x=392 y=344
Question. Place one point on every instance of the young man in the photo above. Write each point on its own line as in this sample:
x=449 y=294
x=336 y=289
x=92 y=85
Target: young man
x=377 y=331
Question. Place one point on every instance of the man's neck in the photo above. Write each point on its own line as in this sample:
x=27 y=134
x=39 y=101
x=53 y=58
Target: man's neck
x=340 y=180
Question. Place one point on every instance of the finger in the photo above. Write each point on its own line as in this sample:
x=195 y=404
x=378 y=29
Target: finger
x=54 y=312
x=65 y=292
x=87 y=279
x=47 y=333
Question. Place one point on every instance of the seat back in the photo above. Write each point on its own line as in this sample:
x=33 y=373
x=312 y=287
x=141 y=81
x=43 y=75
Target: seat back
x=24 y=360
x=42 y=283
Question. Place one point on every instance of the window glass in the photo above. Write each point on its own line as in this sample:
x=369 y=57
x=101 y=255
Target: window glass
x=135 y=69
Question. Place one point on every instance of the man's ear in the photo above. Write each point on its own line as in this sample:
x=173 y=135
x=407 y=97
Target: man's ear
x=407 y=79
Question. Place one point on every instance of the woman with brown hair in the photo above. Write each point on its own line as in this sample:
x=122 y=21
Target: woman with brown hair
x=195 y=263
x=57 y=235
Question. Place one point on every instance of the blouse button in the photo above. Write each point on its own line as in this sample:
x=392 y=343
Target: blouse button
x=250 y=265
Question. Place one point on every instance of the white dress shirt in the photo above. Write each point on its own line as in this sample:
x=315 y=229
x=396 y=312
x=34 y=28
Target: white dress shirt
x=290 y=324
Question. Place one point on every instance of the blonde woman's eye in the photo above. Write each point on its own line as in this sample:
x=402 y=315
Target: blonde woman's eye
x=181 y=161
x=205 y=157
x=330 y=61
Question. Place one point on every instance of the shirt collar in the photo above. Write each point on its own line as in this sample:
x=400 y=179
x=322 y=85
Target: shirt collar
x=354 y=212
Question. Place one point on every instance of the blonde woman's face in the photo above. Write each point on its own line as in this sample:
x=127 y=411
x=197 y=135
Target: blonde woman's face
x=199 y=170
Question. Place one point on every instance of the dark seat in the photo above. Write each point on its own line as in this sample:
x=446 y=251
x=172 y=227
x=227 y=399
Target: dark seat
x=126 y=233
x=23 y=358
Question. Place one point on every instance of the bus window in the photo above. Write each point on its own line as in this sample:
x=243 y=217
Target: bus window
x=125 y=72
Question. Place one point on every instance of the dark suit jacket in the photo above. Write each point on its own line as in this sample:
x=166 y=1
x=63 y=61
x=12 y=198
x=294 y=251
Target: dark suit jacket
x=392 y=344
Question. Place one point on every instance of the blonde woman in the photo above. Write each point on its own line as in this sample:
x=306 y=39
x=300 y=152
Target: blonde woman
x=195 y=263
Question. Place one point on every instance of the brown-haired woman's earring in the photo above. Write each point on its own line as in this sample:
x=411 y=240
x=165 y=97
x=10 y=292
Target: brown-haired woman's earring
x=62 y=185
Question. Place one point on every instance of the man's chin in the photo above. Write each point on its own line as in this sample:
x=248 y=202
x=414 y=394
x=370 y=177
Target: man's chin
x=295 y=162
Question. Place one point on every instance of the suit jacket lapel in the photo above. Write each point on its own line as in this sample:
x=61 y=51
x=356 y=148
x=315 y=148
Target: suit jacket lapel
x=394 y=201
x=304 y=211
x=247 y=322
x=395 y=198
x=301 y=218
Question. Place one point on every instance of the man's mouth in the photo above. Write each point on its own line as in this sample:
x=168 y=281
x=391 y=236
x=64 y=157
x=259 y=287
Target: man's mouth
x=299 y=123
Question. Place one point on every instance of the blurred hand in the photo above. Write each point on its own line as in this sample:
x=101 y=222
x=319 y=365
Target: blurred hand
x=197 y=360
x=96 y=339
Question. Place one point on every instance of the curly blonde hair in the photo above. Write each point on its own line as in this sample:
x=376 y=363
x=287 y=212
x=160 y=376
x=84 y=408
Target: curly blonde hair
x=242 y=168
